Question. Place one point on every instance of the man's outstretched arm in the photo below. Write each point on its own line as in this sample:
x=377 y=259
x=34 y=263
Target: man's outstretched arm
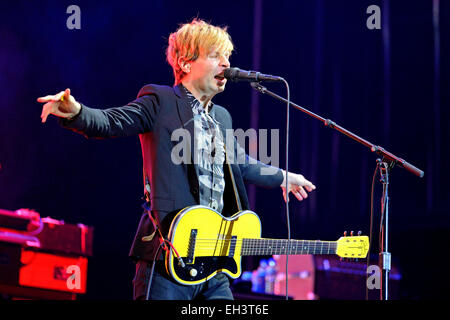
x=132 y=119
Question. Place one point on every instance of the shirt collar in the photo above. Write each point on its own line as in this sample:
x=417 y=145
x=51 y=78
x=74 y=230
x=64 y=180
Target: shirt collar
x=197 y=106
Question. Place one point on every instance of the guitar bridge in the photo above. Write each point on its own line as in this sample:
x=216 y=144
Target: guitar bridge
x=191 y=247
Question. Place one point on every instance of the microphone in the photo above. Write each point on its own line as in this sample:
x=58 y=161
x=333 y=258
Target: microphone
x=236 y=74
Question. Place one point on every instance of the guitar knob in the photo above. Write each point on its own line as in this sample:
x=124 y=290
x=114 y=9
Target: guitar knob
x=345 y=233
x=193 y=272
x=351 y=233
x=359 y=232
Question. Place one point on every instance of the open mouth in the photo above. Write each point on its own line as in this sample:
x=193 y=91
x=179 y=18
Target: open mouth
x=219 y=77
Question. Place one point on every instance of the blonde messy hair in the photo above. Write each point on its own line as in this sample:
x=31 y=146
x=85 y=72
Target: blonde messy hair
x=193 y=39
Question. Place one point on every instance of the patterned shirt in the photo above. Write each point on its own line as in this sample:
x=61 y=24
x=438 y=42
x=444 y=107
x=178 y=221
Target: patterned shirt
x=209 y=154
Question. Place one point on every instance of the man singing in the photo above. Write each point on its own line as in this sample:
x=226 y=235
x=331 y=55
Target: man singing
x=198 y=53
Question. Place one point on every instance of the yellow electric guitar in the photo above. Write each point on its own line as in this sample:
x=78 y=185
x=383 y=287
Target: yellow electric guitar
x=206 y=243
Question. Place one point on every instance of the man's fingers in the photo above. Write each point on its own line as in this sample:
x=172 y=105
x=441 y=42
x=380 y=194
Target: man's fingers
x=310 y=187
x=284 y=193
x=299 y=192
x=45 y=99
x=298 y=195
x=55 y=97
x=46 y=111
x=49 y=108
x=306 y=183
x=303 y=193
x=66 y=95
x=58 y=96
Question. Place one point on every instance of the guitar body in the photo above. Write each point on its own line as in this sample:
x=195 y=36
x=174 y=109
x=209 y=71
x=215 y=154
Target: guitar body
x=204 y=243
x=208 y=243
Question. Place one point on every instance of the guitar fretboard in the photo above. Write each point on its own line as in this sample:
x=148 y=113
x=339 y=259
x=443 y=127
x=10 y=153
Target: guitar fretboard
x=256 y=247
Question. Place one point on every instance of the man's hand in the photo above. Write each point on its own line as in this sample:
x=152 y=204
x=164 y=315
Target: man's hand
x=297 y=184
x=62 y=105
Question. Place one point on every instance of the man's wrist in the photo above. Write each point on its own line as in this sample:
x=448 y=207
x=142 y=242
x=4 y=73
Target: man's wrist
x=76 y=114
x=283 y=184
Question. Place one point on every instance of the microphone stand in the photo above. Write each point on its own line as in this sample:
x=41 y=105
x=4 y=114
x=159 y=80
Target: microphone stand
x=385 y=164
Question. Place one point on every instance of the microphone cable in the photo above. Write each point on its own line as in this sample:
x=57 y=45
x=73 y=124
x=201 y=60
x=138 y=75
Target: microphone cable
x=287 y=183
x=371 y=226
x=384 y=178
x=261 y=89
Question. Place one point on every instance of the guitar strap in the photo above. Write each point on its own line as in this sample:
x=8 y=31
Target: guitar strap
x=154 y=220
x=236 y=194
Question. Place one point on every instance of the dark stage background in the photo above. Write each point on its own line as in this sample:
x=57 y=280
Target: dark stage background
x=389 y=86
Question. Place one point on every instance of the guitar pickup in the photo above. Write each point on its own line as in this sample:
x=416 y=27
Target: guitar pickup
x=191 y=247
x=232 y=246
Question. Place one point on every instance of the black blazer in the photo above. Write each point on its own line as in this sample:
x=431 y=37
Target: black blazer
x=154 y=115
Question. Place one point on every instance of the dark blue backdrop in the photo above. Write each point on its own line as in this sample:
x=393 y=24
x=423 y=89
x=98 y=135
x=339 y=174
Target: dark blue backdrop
x=389 y=86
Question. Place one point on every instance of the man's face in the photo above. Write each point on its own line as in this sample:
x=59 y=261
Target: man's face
x=206 y=72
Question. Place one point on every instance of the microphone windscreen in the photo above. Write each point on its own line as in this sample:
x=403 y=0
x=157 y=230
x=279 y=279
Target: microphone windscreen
x=231 y=73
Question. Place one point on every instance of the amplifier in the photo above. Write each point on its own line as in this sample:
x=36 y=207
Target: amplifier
x=20 y=220
x=324 y=277
x=24 y=271
x=57 y=236
x=54 y=272
x=25 y=227
x=42 y=258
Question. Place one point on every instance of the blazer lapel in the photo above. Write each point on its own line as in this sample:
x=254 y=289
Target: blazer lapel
x=187 y=120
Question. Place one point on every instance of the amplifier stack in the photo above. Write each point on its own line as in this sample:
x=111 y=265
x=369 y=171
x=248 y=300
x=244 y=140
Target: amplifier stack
x=42 y=258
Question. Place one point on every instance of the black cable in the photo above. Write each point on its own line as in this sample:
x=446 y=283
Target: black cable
x=262 y=89
x=384 y=198
x=384 y=179
x=287 y=184
x=153 y=268
x=371 y=226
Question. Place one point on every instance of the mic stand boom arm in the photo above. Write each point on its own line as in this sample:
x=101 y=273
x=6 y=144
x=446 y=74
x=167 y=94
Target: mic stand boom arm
x=388 y=162
x=393 y=159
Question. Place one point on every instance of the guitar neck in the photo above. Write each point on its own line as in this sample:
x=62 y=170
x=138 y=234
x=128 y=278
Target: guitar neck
x=255 y=247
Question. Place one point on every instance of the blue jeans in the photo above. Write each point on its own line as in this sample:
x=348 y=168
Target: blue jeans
x=163 y=287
